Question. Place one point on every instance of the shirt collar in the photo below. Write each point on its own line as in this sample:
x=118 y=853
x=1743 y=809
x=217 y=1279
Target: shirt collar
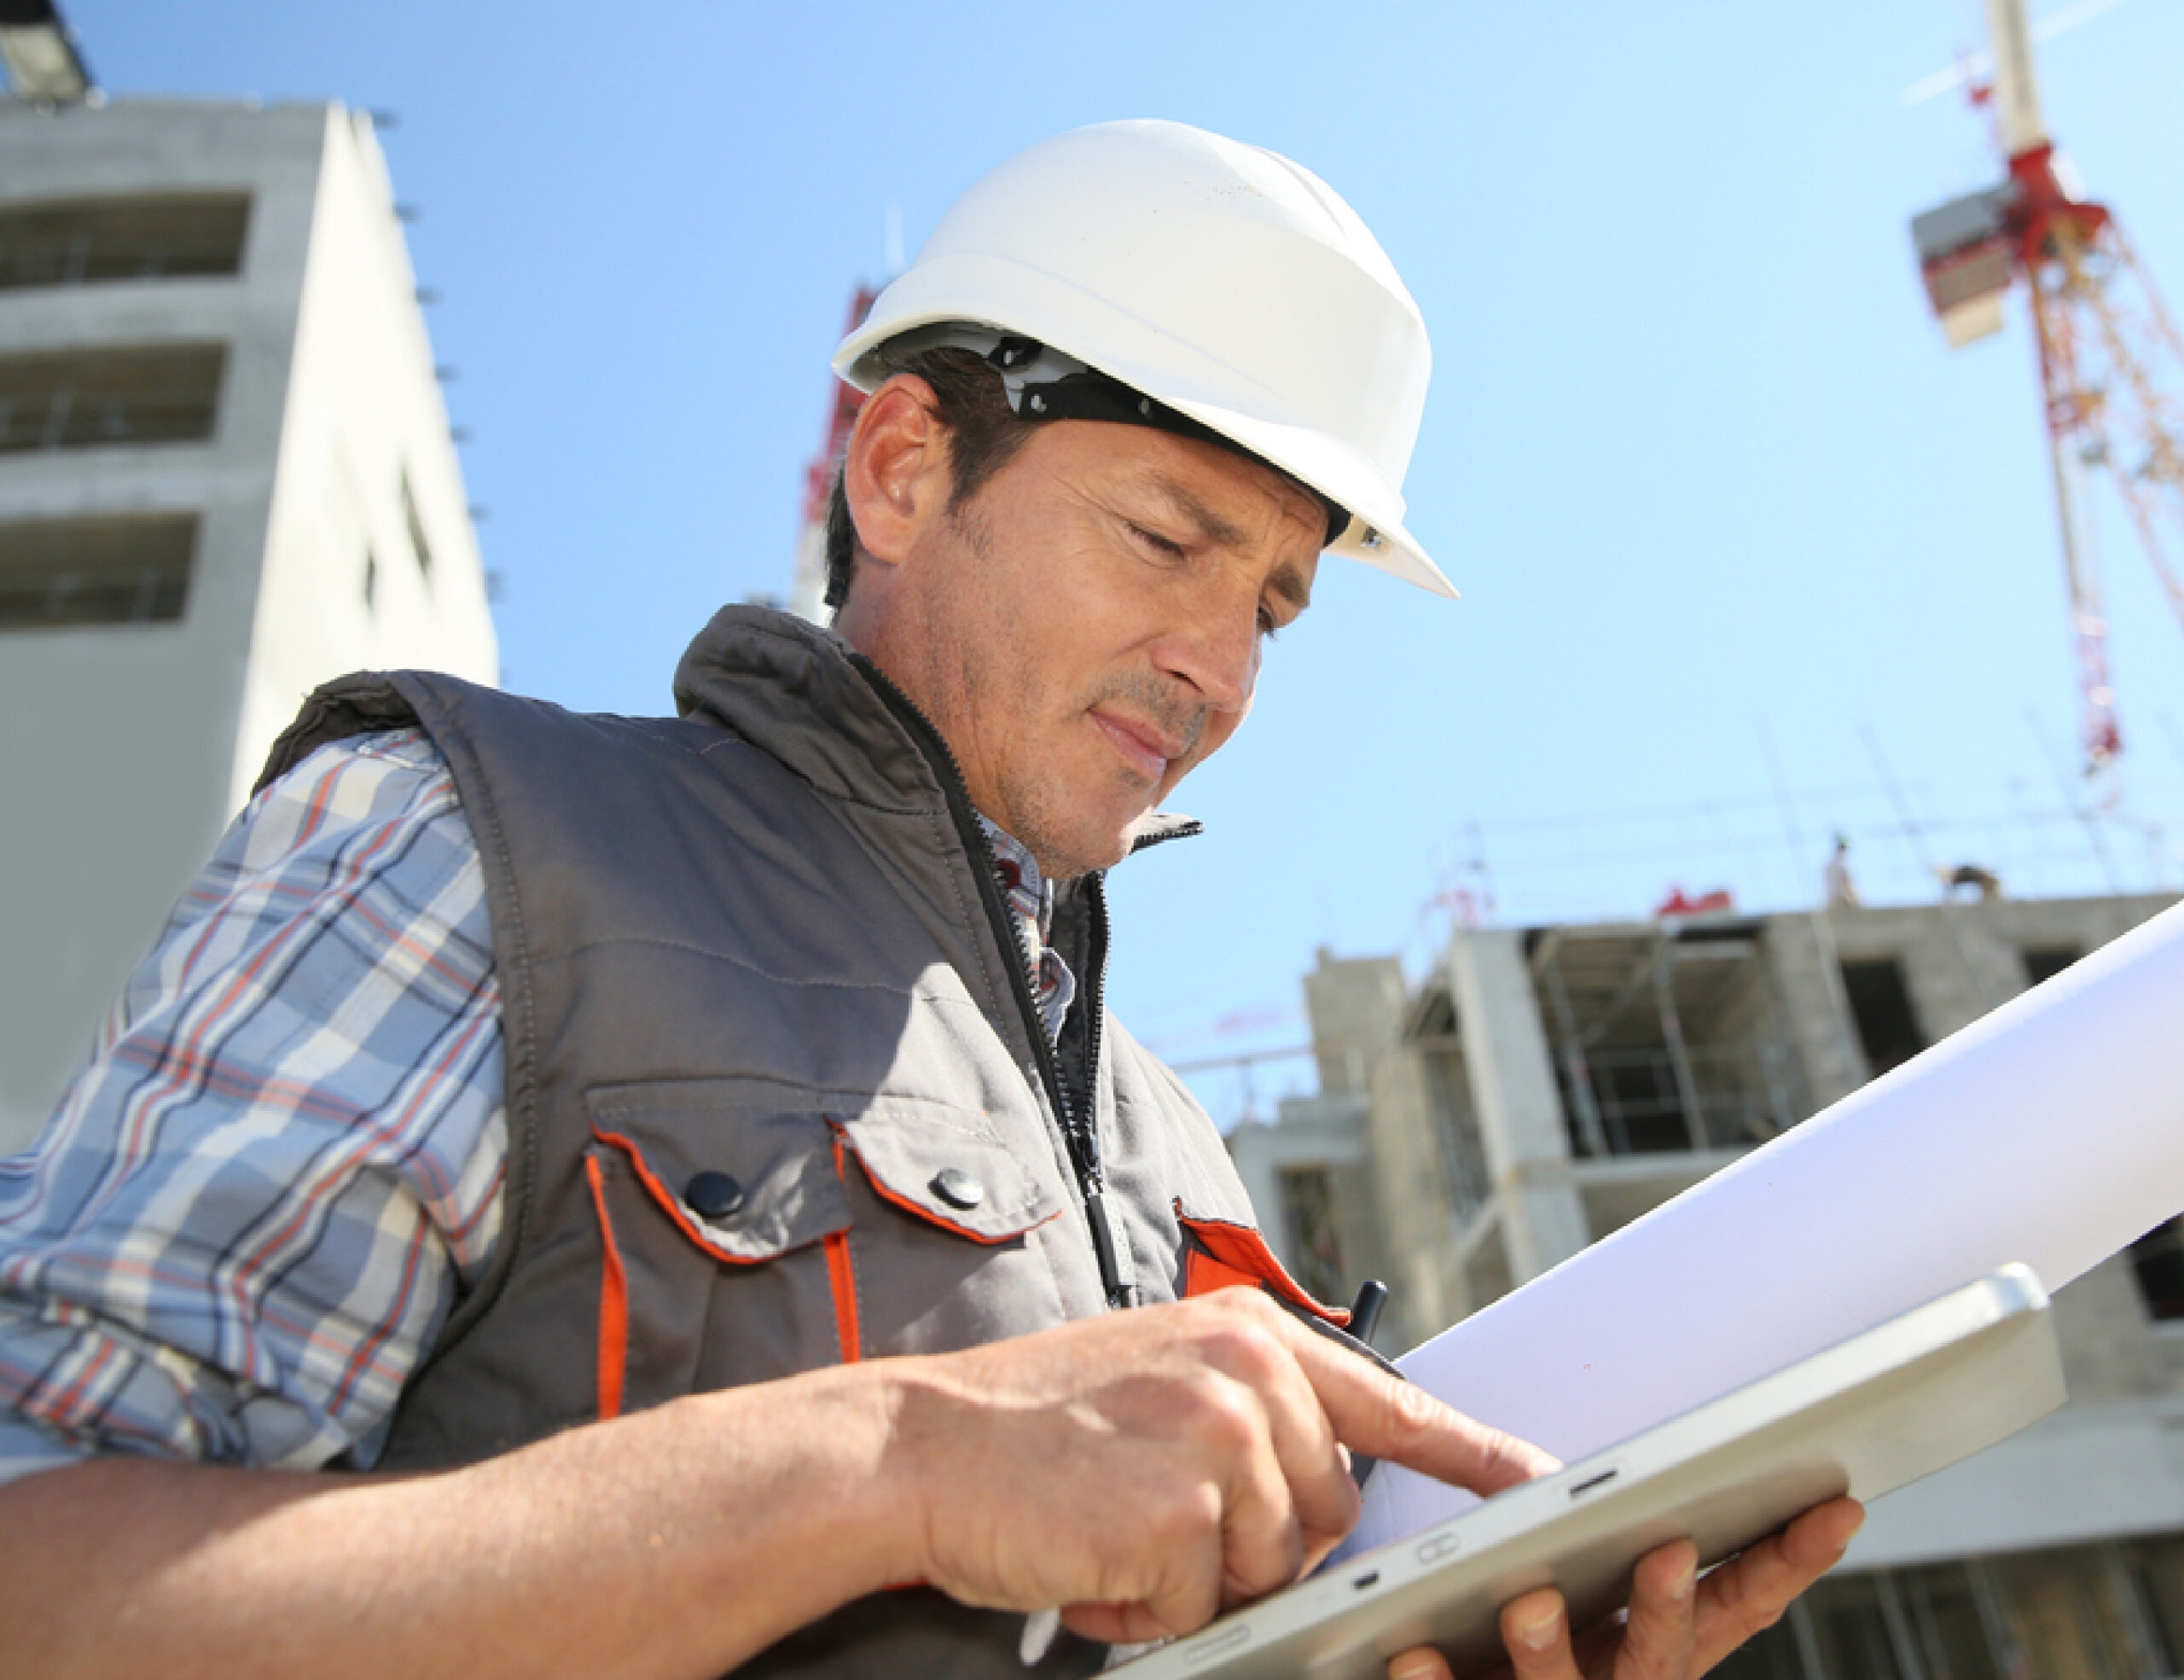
x=1030 y=893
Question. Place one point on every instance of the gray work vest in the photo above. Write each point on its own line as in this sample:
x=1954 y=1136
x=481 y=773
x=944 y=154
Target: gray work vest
x=775 y=1091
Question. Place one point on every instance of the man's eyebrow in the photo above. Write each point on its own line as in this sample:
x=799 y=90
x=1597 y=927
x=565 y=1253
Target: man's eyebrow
x=1211 y=524
x=1288 y=580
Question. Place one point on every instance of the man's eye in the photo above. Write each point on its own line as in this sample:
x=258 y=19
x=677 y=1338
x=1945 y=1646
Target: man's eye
x=1157 y=543
x=1268 y=628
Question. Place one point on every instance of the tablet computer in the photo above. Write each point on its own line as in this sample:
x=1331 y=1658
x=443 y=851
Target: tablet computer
x=1882 y=1408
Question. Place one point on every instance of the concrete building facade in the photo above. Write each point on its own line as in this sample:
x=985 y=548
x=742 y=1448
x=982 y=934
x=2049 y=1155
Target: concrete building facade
x=1543 y=1087
x=226 y=474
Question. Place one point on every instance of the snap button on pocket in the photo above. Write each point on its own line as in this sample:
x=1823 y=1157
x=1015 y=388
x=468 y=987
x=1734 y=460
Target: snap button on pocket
x=957 y=1187
x=712 y=1195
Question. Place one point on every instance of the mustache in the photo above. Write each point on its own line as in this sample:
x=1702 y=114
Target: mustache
x=1158 y=703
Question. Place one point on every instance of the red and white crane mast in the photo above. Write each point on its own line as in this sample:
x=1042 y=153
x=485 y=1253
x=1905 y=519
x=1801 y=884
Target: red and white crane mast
x=808 y=592
x=2112 y=367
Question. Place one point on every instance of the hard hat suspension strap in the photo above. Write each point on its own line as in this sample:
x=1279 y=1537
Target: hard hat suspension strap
x=1044 y=383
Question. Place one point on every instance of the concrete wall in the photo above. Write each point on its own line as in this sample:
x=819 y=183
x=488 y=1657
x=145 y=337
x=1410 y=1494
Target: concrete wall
x=1407 y=1160
x=1515 y=1094
x=1356 y=1006
x=1803 y=962
x=1960 y=960
x=126 y=749
x=1355 y=1010
x=127 y=733
x=364 y=416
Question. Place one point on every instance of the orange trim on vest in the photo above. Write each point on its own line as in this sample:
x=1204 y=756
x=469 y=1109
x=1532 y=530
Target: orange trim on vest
x=1237 y=1256
x=613 y=1301
x=927 y=1213
x=670 y=1203
x=842 y=1274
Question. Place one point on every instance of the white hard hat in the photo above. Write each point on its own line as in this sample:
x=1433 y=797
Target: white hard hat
x=1220 y=280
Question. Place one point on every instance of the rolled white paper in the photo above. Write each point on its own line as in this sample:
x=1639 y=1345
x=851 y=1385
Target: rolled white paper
x=2050 y=1131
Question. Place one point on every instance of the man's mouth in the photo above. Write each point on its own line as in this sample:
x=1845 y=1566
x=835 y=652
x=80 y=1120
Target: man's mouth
x=1145 y=748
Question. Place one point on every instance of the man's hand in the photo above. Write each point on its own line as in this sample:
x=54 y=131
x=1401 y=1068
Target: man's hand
x=1679 y=1625
x=1148 y=1470
x=1144 y=1469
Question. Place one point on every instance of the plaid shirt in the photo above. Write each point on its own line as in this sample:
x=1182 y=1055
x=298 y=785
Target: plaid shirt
x=252 y=1210
x=1031 y=896
x=250 y=1213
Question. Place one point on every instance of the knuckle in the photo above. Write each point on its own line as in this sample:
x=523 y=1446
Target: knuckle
x=1246 y=1345
x=1410 y=1416
x=1177 y=1518
x=1225 y=1415
x=1747 y=1608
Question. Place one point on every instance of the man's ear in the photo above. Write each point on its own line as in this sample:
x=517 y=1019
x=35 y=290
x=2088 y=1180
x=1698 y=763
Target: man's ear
x=895 y=472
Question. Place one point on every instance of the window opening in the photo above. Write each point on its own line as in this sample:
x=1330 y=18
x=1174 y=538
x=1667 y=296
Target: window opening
x=418 y=545
x=2156 y=1572
x=2105 y=1611
x=2044 y=962
x=2063 y=1612
x=1463 y=1152
x=1665 y=1041
x=1850 y=1628
x=121 y=394
x=1941 y=1607
x=2157 y=1261
x=1770 y=1655
x=1880 y=1004
x=1308 y=1203
x=180 y=235
x=55 y=573
x=1433 y=1034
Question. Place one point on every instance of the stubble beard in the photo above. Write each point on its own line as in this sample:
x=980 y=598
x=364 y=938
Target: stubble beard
x=1053 y=816
x=1044 y=813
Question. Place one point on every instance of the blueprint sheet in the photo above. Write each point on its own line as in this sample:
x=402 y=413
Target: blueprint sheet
x=2050 y=1132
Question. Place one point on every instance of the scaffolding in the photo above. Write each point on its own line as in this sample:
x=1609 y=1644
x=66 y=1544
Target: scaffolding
x=1666 y=1037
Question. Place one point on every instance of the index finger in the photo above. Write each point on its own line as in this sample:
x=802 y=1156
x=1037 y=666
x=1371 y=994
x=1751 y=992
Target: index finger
x=1376 y=1413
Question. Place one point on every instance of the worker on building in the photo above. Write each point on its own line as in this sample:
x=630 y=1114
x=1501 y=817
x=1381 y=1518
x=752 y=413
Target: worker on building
x=1842 y=891
x=594 y=1195
x=1976 y=879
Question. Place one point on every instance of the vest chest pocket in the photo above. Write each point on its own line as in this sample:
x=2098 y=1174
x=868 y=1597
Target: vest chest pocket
x=747 y=1232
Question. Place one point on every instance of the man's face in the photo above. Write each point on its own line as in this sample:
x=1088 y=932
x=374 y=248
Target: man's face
x=1093 y=620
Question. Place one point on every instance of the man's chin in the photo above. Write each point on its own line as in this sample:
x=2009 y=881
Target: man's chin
x=1091 y=849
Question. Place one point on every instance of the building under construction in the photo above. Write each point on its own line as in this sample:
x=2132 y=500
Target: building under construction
x=1543 y=1087
x=226 y=475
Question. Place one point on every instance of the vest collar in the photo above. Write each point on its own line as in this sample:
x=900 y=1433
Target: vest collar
x=788 y=687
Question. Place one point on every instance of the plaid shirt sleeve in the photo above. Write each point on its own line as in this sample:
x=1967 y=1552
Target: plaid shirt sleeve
x=251 y=1213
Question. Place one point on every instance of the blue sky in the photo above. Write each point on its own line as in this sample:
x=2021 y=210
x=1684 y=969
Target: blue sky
x=1741 y=543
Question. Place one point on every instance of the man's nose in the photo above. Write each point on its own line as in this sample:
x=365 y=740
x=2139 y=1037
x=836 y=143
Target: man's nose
x=1216 y=651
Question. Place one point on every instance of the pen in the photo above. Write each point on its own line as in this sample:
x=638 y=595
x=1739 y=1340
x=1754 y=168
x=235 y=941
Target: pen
x=1365 y=1310
x=1364 y=1318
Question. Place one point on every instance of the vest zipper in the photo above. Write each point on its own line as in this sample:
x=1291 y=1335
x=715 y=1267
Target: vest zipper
x=1080 y=1133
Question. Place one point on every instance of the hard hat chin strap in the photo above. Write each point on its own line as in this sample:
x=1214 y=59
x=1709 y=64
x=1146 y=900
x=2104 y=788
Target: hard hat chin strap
x=1043 y=383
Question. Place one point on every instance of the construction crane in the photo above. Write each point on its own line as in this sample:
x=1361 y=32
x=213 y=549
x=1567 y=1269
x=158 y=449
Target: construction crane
x=2112 y=367
x=45 y=66
x=808 y=593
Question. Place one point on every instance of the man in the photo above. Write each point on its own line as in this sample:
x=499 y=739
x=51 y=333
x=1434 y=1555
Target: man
x=528 y=1138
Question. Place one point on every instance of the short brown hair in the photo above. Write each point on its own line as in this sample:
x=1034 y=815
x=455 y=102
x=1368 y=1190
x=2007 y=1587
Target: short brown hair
x=983 y=433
